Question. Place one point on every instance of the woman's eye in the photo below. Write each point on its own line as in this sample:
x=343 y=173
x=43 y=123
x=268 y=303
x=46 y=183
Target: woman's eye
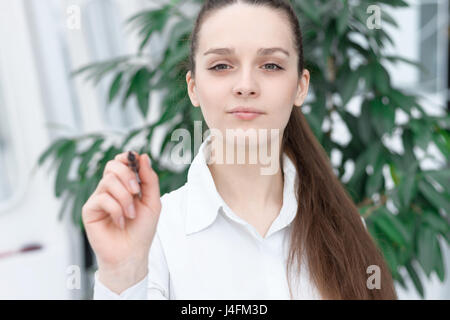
x=215 y=67
x=277 y=67
x=273 y=64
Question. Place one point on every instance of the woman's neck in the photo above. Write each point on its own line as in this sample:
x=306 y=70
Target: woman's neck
x=245 y=188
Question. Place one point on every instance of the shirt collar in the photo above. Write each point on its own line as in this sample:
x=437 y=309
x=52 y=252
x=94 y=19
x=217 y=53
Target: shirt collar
x=204 y=202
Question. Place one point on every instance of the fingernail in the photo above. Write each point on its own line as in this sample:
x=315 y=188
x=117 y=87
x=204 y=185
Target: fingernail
x=122 y=222
x=132 y=211
x=134 y=186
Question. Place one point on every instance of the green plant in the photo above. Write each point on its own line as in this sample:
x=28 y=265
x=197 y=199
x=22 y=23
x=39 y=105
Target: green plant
x=408 y=236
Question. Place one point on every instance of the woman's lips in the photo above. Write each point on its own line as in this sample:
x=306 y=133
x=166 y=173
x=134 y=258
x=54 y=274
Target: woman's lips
x=244 y=115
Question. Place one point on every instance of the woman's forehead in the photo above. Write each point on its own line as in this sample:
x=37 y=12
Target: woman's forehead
x=251 y=28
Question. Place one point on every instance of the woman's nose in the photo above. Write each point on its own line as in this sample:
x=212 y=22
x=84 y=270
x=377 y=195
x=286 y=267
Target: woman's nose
x=246 y=86
x=245 y=92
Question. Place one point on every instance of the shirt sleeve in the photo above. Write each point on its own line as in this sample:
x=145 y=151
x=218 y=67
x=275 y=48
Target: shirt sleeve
x=135 y=292
x=155 y=286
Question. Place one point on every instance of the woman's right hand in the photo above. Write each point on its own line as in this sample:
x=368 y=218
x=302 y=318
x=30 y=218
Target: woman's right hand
x=120 y=227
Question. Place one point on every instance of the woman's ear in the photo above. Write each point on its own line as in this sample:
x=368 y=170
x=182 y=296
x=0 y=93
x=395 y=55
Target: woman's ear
x=302 y=88
x=191 y=89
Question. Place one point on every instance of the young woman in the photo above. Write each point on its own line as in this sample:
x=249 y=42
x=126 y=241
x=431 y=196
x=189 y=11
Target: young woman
x=231 y=232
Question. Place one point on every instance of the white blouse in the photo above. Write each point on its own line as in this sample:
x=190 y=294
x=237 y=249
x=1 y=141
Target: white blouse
x=203 y=250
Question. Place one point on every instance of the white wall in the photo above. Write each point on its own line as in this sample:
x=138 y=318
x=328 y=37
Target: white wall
x=30 y=215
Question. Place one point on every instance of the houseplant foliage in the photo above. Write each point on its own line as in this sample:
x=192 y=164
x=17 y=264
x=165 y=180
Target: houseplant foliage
x=406 y=221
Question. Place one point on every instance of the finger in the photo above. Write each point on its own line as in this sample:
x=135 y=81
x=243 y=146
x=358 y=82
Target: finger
x=150 y=182
x=103 y=203
x=124 y=173
x=123 y=157
x=112 y=185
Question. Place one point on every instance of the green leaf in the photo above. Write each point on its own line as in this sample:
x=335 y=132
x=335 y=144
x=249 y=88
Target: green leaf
x=394 y=3
x=99 y=69
x=130 y=91
x=356 y=183
x=447 y=237
x=408 y=162
x=383 y=116
x=415 y=278
x=352 y=125
x=397 y=277
x=401 y=100
x=65 y=203
x=143 y=101
x=310 y=10
x=327 y=43
x=389 y=255
x=442 y=141
x=375 y=180
x=349 y=86
x=180 y=34
x=176 y=57
x=88 y=154
x=435 y=221
x=439 y=200
x=343 y=17
x=129 y=137
x=148 y=22
x=140 y=87
x=381 y=77
x=391 y=226
x=79 y=201
x=394 y=174
x=438 y=263
x=142 y=79
x=367 y=75
x=404 y=176
x=422 y=132
x=109 y=154
x=365 y=130
x=442 y=121
x=382 y=36
x=53 y=148
x=388 y=18
x=407 y=188
x=68 y=154
x=115 y=86
x=395 y=59
x=441 y=176
x=315 y=124
x=426 y=242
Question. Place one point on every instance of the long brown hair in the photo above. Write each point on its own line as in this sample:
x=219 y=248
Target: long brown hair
x=327 y=230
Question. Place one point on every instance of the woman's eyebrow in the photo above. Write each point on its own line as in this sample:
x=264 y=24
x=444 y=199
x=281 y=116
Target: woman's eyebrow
x=260 y=51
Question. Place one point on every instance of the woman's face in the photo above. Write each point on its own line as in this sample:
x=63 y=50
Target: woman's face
x=242 y=77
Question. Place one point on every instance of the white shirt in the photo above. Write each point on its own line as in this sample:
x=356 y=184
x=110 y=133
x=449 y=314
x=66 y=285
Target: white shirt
x=202 y=250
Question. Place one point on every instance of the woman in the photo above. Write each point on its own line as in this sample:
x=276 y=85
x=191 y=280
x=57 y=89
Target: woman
x=231 y=232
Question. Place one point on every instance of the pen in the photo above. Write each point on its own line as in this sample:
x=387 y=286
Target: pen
x=134 y=165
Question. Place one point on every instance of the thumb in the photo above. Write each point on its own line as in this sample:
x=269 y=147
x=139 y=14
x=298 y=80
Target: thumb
x=149 y=183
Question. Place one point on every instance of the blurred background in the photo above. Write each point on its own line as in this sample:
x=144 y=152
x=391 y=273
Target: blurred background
x=43 y=42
